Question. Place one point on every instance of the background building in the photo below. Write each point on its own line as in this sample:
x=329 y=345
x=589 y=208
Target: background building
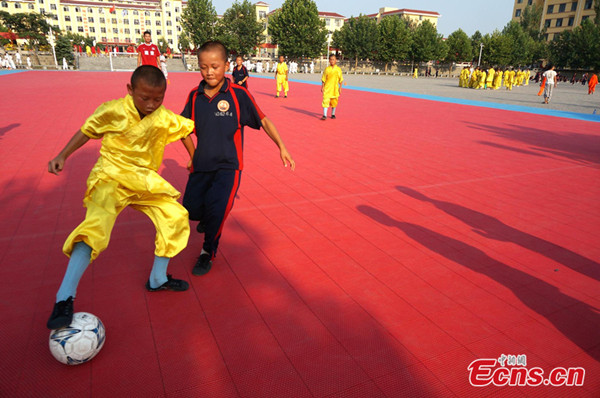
x=112 y=23
x=557 y=15
x=415 y=16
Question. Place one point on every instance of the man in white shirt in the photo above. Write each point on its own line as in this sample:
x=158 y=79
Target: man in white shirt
x=550 y=76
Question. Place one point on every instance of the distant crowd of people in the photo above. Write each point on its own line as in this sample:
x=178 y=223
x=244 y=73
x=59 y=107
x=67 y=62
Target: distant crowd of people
x=492 y=79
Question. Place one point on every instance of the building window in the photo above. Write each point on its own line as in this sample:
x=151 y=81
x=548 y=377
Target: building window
x=178 y=28
x=159 y=32
x=113 y=20
x=518 y=13
x=170 y=41
x=67 y=18
x=337 y=22
x=4 y=4
x=90 y=10
x=169 y=32
x=128 y=40
x=562 y=7
x=584 y=18
x=135 y=12
x=69 y=28
x=169 y=14
x=588 y=4
x=137 y=31
x=147 y=13
x=571 y=21
x=41 y=1
x=177 y=19
x=115 y=31
x=77 y=9
x=176 y=9
x=262 y=14
x=79 y=19
x=126 y=21
x=157 y=14
x=169 y=23
x=90 y=19
x=30 y=6
x=157 y=23
x=92 y=29
x=559 y=22
x=519 y=1
x=66 y=9
x=17 y=5
x=136 y=21
x=127 y=31
x=574 y=6
x=148 y=22
x=53 y=6
x=550 y=9
x=103 y=30
x=102 y=20
x=80 y=28
x=547 y=23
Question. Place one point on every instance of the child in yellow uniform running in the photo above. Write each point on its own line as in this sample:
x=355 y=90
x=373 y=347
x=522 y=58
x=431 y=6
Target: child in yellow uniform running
x=331 y=86
x=281 y=75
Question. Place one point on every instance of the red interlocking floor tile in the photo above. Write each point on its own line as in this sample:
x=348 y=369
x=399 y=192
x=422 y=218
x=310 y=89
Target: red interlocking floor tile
x=414 y=237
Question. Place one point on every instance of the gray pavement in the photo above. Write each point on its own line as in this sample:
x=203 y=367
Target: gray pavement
x=566 y=97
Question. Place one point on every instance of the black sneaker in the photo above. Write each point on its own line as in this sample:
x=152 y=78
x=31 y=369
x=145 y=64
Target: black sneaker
x=62 y=314
x=202 y=265
x=324 y=118
x=200 y=228
x=333 y=116
x=176 y=285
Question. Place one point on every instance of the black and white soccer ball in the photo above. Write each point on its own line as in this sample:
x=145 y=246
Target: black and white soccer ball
x=80 y=341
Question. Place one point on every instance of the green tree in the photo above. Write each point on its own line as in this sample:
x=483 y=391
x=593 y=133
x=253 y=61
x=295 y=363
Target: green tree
x=497 y=49
x=297 y=29
x=198 y=21
x=394 y=39
x=581 y=47
x=427 y=43
x=30 y=26
x=530 y=21
x=476 y=40
x=240 y=30
x=184 y=42
x=64 y=49
x=459 y=47
x=522 y=44
x=357 y=38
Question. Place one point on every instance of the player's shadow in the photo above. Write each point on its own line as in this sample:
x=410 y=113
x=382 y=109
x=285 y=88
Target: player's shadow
x=492 y=228
x=576 y=146
x=7 y=128
x=512 y=149
x=577 y=321
x=304 y=112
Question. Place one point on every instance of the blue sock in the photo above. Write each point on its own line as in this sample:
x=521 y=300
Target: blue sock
x=80 y=259
x=158 y=276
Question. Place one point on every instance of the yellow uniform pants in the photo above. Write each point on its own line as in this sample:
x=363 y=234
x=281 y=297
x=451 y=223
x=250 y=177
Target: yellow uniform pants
x=104 y=201
x=282 y=82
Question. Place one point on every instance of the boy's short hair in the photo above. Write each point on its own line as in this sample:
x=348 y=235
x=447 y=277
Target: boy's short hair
x=147 y=32
x=239 y=56
x=150 y=74
x=332 y=55
x=213 y=45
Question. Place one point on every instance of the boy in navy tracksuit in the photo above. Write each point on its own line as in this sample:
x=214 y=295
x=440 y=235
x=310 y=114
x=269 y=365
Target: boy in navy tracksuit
x=220 y=110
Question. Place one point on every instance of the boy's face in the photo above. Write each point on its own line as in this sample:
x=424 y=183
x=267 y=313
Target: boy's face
x=238 y=61
x=332 y=61
x=281 y=59
x=146 y=98
x=212 y=67
x=147 y=38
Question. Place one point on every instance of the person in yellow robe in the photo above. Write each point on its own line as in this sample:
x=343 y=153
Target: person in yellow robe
x=281 y=76
x=497 y=79
x=331 y=86
x=134 y=132
x=513 y=78
x=482 y=80
x=474 y=81
x=416 y=73
x=527 y=77
x=507 y=80
x=489 y=82
x=464 y=77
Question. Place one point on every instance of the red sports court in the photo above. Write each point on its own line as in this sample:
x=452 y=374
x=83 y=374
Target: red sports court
x=414 y=238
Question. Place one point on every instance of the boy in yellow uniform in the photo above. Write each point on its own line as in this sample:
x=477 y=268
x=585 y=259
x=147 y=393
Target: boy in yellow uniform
x=281 y=75
x=331 y=86
x=134 y=132
x=497 y=79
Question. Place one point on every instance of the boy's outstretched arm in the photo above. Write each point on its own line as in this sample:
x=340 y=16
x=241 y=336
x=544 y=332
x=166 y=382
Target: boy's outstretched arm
x=56 y=165
x=272 y=132
x=188 y=143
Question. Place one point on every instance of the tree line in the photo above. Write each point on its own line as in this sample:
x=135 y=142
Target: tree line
x=298 y=32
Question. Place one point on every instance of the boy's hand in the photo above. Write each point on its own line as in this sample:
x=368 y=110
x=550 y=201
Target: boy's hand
x=287 y=159
x=56 y=165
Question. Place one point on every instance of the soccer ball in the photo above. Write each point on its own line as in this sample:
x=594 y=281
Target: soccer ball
x=80 y=341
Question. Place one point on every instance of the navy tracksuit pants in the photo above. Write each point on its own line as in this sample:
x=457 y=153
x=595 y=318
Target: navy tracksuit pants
x=209 y=198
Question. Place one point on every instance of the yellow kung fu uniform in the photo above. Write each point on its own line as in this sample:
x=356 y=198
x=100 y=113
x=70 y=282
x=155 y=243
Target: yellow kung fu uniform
x=126 y=175
x=332 y=79
x=416 y=73
x=464 y=78
x=507 y=80
x=282 y=78
x=527 y=77
x=497 y=80
x=490 y=78
x=482 y=77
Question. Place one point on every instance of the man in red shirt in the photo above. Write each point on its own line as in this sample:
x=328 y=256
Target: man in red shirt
x=148 y=53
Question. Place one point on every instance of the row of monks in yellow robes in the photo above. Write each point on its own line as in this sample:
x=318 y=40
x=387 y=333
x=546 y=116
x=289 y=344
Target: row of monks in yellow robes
x=492 y=79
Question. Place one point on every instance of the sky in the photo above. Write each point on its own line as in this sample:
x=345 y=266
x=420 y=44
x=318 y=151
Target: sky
x=468 y=15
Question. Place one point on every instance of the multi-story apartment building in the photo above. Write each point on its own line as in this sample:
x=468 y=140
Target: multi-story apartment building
x=119 y=22
x=415 y=16
x=557 y=15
